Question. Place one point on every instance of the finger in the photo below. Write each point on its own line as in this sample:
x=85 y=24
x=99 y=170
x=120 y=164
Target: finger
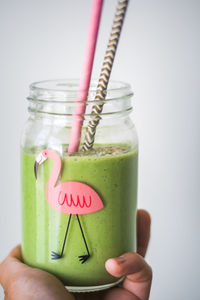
x=138 y=273
x=11 y=266
x=16 y=253
x=143 y=231
x=130 y=264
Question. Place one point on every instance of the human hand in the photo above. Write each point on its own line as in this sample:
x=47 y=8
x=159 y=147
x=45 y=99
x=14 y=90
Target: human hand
x=138 y=274
x=22 y=282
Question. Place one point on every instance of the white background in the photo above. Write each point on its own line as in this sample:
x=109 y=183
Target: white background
x=159 y=55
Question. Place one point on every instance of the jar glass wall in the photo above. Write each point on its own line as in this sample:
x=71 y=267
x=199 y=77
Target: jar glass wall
x=61 y=234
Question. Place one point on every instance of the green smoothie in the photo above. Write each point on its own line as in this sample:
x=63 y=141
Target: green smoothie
x=112 y=172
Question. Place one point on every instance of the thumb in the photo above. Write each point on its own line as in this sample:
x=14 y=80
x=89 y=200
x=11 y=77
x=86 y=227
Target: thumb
x=11 y=266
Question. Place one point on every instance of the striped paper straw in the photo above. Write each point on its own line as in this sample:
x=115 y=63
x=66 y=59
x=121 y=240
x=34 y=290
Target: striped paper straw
x=105 y=74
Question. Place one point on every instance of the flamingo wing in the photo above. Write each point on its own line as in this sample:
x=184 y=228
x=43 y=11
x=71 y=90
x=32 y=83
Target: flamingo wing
x=73 y=197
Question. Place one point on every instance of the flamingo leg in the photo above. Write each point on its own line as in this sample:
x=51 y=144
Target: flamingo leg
x=55 y=255
x=83 y=258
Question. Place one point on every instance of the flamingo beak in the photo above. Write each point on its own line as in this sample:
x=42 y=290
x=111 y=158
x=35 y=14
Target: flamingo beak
x=36 y=166
x=39 y=160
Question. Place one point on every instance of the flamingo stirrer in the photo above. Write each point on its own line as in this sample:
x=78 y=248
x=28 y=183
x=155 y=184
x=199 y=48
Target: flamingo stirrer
x=69 y=197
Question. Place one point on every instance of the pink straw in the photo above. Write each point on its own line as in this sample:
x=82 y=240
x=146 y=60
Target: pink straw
x=85 y=76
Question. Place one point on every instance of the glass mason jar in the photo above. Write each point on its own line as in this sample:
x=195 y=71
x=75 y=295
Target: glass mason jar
x=78 y=210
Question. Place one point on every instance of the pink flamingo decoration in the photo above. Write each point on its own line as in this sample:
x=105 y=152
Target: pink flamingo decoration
x=70 y=197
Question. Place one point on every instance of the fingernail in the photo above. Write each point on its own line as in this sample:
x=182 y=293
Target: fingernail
x=121 y=259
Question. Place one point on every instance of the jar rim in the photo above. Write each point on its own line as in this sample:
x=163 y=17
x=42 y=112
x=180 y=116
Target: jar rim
x=52 y=90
